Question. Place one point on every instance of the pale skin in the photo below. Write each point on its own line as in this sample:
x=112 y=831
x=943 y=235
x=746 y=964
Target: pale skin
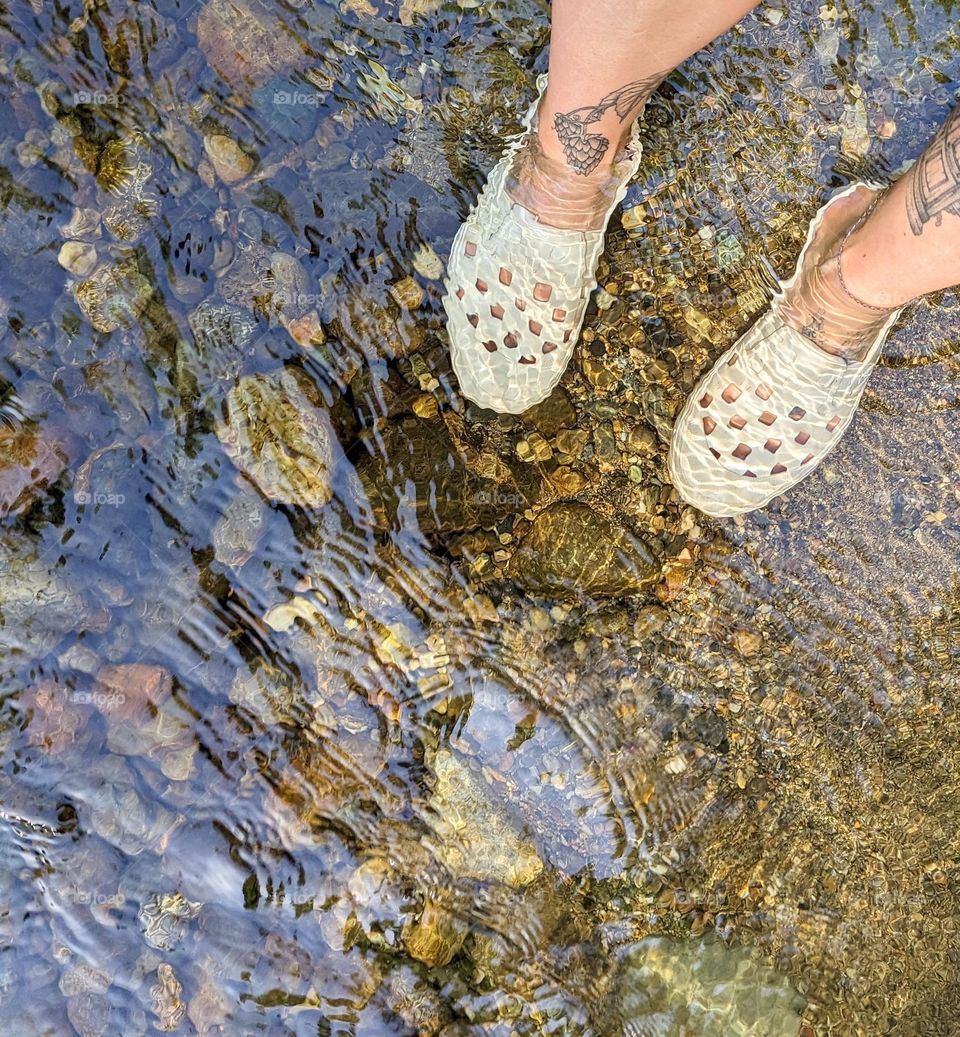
x=599 y=80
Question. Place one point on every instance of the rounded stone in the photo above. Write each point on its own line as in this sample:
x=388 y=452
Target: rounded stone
x=228 y=159
x=569 y=548
x=77 y=257
x=275 y=429
x=89 y=1014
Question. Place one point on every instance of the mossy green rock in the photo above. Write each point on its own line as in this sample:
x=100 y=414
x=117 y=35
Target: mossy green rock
x=571 y=548
x=677 y=987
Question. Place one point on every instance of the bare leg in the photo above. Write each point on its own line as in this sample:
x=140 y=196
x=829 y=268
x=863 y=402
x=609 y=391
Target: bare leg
x=911 y=244
x=907 y=246
x=606 y=59
x=608 y=56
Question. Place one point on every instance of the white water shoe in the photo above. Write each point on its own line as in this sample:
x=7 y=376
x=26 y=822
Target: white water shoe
x=517 y=289
x=769 y=411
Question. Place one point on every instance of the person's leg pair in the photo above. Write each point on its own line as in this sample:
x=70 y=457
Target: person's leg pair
x=867 y=256
x=606 y=59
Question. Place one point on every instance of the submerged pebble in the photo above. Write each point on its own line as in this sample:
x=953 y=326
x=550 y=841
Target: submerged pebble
x=570 y=549
x=166 y=999
x=229 y=160
x=77 y=257
x=476 y=836
x=705 y=988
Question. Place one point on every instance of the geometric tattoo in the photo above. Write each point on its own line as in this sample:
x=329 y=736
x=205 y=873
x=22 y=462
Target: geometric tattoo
x=935 y=187
x=585 y=150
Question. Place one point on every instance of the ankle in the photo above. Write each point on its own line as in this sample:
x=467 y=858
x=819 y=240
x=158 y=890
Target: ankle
x=602 y=143
x=861 y=279
x=555 y=194
x=823 y=309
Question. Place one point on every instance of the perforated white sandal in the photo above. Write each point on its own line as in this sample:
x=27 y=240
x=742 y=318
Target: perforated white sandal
x=517 y=290
x=768 y=412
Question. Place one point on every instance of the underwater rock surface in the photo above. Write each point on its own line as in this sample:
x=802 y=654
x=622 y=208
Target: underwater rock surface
x=275 y=429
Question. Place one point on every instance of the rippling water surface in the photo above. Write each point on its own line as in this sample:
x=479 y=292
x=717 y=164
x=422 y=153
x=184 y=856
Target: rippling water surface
x=334 y=706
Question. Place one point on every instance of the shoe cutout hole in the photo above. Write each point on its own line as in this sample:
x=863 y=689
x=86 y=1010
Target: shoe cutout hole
x=505 y=276
x=521 y=304
x=474 y=318
x=742 y=452
x=549 y=347
x=706 y=399
x=542 y=292
x=737 y=422
x=764 y=391
x=470 y=248
x=510 y=341
x=716 y=453
x=566 y=335
x=709 y=425
x=732 y=360
x=767 y=418
x=559 y=314
x=481 y=285
x=802 y=438
x=807 y=459
x=749 y=474
x=833 y=423
x=535 y=327
x=797 y=414
x=773 y=445
x=528 y=360
x=732 y=393
x=459 y=293
x=490 y=346
x=497 y=311
x=778 y=469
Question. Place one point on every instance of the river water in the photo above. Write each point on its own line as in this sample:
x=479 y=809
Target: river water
x=333 y=705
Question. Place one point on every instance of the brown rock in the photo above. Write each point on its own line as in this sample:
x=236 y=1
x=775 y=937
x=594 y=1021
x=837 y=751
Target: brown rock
x=477 y=837
x=306 y=330
x=571 y=441
x=448 y=496
x=131 y=691
x=435 y=937
x=554 y=413
x=166 y=998
x=747 y=642
x=567 y=482
x=229 y=160
x=56 y=721
x=30 y=460
x=642 y=440
x=276 y=430
x=425 y=406
x=407 y=294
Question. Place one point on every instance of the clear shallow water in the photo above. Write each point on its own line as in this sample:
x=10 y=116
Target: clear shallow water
x=406 y=775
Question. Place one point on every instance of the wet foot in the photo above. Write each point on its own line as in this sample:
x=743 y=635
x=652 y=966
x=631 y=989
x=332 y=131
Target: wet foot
x=545 y=184
x=819 y=304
